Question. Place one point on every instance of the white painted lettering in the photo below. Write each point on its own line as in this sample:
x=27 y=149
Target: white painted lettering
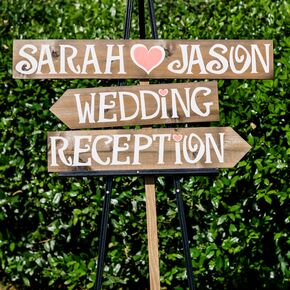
x=179 y=69
x=68 y=59
x=220 y=65
x=194 y=106
x=45 y=52
x=209 y=140
x=195 y=50
x=28 y=66
x=235 y=58
x=111 y=58
x=103 y=108
x=185 y=107
x=117 y=149
x=265 y=62
x=146 y=95
x=134 y=97
x=88 y=111
x=197 y=150
x=95 y=154
x=161 y=147
x=59 y=151
x=138 y=147
x=164 y=113
x=90 y=58
x=77 y=160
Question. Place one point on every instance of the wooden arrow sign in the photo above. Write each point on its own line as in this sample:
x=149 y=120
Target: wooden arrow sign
x=138 y=105
x=143 y=59
x=134 y=151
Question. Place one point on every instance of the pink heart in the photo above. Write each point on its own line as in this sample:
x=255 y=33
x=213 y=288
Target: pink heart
x=177 y=138
x=147 y=59
x=163 y=92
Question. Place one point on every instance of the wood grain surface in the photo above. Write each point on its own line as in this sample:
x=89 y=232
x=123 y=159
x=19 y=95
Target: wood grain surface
x=143 y=59
x=145 y=149
x=152 y=233
x=138 y=105
x=152 y=228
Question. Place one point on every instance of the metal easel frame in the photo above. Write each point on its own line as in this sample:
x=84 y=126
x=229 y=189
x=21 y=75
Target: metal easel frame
x=110 y=174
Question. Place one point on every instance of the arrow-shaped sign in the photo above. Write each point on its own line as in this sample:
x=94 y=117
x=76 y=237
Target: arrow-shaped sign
x=144 y=149
x=138 y=105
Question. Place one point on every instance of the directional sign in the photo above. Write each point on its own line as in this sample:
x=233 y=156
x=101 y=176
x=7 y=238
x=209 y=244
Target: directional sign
x=144 y=149
x=138 y=105
x=143 y=59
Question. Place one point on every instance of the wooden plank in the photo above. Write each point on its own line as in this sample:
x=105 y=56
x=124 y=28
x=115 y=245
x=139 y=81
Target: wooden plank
x=143 y=59
x=138 y=105
x=152 y=233
x=144 y=149
x=152 y=230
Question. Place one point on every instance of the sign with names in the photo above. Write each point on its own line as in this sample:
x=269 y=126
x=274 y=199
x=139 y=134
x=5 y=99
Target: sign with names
x=138 y=105
x=143 y=59
x=144 y=149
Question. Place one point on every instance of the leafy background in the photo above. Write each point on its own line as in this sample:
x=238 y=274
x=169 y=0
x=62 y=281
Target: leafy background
x=238 y=220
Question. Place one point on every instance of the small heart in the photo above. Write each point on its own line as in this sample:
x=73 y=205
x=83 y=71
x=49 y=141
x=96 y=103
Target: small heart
x=177 y=138
x=147 y=59
x=163 y=92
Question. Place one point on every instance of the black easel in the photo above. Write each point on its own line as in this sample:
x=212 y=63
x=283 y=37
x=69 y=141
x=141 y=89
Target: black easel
x=182 y=221
x=103 y=232
x=108 y=190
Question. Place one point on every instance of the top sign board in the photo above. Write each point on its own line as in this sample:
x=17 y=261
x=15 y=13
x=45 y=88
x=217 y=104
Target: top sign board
x=143 y=59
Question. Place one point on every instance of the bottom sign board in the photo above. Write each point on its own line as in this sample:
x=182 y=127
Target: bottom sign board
x=144 y=149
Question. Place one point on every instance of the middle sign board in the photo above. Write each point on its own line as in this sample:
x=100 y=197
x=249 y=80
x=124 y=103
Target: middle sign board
x=138 y=105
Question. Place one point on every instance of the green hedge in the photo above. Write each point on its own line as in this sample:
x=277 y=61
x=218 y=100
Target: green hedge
x=238 y=221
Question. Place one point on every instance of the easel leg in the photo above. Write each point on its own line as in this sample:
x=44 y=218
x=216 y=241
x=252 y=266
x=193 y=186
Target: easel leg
x=182 y=221
x=152 y=19
x=128 y=17
x=152 y=235
x=103 y=233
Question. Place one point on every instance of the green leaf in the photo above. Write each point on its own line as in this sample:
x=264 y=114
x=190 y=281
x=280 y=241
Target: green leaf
x=26 y=281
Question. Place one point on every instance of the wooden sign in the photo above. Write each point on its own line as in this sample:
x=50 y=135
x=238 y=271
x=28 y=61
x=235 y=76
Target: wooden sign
x=143 y=59
x=138 y=105
x=144 y=149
